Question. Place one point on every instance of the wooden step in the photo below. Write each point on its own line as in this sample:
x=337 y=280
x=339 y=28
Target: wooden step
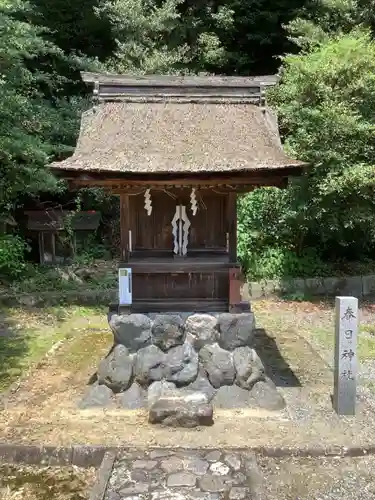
x=179 y=305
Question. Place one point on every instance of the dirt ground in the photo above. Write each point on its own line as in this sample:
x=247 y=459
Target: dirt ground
x=318 y=478
x=45 y=483
x=43 y=407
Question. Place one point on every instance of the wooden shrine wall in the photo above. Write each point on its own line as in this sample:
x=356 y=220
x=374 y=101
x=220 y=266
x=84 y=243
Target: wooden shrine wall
x=208 y=227
x=163 y=283
x=182 y=285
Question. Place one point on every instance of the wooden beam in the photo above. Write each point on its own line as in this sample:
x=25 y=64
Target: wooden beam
x=232 y=226
x=124 y=226
x=254 y=99
x=203 y=190
x=122 y=185
x=114 y=92
x=172 y=80
x=179 y=268
x=215 y=181
x=267 y=177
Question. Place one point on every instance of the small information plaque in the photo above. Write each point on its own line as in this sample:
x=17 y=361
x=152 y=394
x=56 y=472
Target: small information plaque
x=345 y=368
x=125 y=286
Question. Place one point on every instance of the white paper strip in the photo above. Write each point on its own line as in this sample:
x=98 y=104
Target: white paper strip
x=193 y=201
x=148 y=202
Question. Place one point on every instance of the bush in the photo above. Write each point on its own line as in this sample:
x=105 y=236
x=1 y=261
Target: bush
x=326 y=107
x=12 y=257
x=275 y=263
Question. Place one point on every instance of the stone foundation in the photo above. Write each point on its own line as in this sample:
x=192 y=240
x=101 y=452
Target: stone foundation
x=181 y=366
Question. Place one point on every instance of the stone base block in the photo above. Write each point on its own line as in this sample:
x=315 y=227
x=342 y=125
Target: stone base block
x=181 y=409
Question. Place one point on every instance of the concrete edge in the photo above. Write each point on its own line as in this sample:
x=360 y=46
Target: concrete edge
x=86 y=456
x=93 y=297
x=103 y=475
x=360 y=286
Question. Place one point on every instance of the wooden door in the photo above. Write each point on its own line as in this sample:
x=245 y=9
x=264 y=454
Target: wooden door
x=207 y=229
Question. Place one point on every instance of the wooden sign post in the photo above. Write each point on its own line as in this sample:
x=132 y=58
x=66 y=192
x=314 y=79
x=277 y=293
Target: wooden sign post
x=345 y=368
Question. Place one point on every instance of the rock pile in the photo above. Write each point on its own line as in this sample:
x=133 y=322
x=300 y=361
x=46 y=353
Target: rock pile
x=181 y=366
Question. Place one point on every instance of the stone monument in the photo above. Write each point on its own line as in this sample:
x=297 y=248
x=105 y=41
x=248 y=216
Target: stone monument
x=345 y=369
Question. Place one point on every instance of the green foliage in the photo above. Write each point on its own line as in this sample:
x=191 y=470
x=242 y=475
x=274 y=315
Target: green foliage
x=326 y=18
x=81 y=275
x=88 y=250
x=278 y=262
x=326 y=105
x=32 y=129
x=74 y=27
x=171 y=36
x=260 y=209
x=144 y=34
x=325 y=102
x=258 y=35
x=181 y=36
x=12 y=256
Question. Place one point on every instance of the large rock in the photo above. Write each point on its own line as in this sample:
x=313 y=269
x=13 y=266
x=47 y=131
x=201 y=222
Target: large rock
x=218 y=364
x=233 y=397
x=134 y=398
x=96 y=396
x=267 y=396
x=201 y=329
x=236 y=330
x=159 y=389
x=149 y=365
x=168 y=331
x=181 y=364
x=131 y=330
x=202 y=384
x=116 y=370
x=181 y=409
x=249 y=367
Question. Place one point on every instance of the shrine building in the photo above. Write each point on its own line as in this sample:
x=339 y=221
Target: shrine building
x=178 y=151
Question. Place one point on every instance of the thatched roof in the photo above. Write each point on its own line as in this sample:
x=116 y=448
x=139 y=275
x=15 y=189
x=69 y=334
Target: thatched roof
x=177 y=137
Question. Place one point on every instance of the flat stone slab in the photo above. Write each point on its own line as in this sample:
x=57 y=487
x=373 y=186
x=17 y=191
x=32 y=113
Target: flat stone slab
x=181 y=409
x=183 y=475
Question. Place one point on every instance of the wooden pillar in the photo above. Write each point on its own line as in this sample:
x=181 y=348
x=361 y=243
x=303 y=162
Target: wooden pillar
x=53 y=247
x=124 y=226
x=232 y=227
x=236 y=305
x=41 y=247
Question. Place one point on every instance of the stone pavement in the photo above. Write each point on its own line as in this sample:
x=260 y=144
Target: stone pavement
x=183 y=475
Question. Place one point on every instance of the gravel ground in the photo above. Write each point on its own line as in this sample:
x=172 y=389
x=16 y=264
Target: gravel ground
x=32 y=482
x=44 y=407
x=317 y=478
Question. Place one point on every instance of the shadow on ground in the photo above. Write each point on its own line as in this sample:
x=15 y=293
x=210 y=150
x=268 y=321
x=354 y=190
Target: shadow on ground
x=277 y=368
x=25 y=335
x=13 y=349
